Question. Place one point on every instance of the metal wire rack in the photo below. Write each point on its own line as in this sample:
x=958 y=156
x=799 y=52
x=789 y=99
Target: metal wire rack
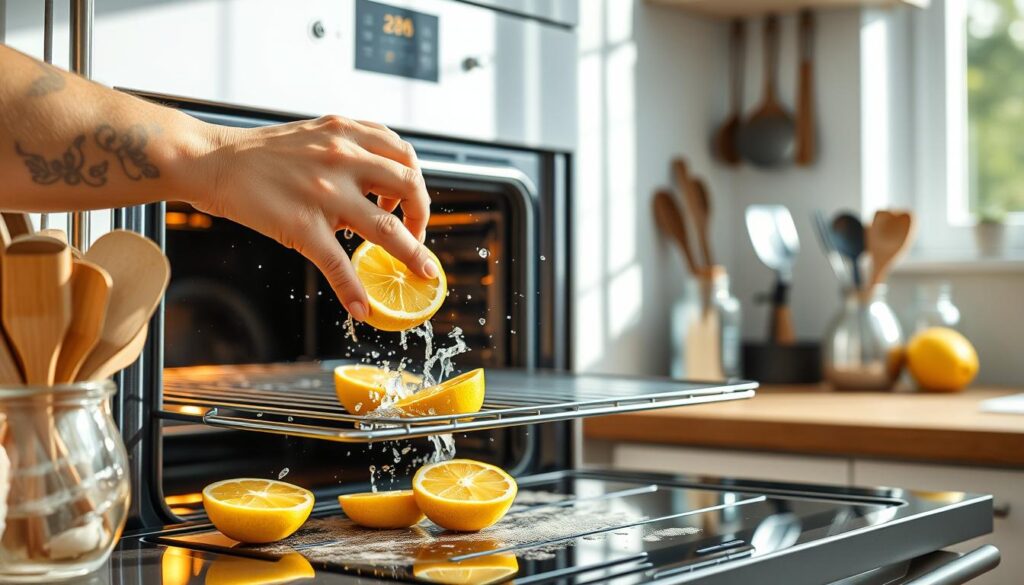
x=299 y=400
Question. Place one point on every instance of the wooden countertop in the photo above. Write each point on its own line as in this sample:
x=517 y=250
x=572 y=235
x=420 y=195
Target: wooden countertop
x=817 y=420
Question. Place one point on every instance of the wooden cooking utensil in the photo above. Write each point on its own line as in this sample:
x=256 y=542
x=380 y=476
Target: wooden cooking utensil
x=766 y=139
x=37 y=303
x=120 y=360
x=18 y=224
x=725 y=146
x=36 y=313
x=90 y=295
x=700 y=204
x=670 y=220
x=10 y=373
x=139 y=272
x=887 y=238
x=805 y=130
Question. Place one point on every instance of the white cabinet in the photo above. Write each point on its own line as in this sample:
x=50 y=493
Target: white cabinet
x=741 y=464
x=1007 y=487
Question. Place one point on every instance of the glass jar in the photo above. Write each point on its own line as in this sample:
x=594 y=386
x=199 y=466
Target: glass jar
x=69 y=487
x=863 y=347
x=934 y=306
x=706 y=329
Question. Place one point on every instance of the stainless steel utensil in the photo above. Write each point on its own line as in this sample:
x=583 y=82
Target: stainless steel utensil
x=776 y=244
x=767 y=137
x=848 y=237
x=828 y=246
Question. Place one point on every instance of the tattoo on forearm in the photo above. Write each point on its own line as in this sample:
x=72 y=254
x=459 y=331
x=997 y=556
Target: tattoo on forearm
x=50 y=82
x=128 y=148
x=70 y=168
x=67 y=168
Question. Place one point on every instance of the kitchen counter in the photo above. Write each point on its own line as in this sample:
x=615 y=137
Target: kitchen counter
x=817 y=420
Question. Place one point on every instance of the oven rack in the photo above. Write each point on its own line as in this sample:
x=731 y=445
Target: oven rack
x=299 y=400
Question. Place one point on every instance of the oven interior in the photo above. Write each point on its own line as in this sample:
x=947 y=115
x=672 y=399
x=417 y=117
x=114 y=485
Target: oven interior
x=238 y=297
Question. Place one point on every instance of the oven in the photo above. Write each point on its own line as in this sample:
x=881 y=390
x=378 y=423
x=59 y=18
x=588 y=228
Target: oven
x=236 y=377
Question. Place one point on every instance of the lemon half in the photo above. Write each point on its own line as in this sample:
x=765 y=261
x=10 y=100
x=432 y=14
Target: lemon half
x=463 y=494
x=257 y=510
x=395 y=509
x=399 y=299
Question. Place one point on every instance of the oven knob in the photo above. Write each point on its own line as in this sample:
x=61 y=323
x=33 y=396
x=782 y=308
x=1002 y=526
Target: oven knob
x=317 y=30
x=471 y=63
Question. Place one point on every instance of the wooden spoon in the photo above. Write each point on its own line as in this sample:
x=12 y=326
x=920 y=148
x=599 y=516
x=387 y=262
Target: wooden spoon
x=725 y=139
x=120 y=360
x=766 y=139
x=887 y=238
x=90 y=295
x=139 y=272
x=37 y=303
x=805 y=132
x=670 y=220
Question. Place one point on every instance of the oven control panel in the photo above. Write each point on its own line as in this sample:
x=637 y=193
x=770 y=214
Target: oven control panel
x=396 y=41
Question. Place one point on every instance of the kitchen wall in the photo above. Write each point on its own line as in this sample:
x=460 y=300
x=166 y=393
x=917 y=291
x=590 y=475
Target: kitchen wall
x=644 y=79
x=653 y=85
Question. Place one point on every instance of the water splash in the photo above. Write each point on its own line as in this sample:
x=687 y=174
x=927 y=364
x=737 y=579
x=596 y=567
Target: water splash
x=483 y=252
x=347 y=234
x=350 y=329
x=283 y=473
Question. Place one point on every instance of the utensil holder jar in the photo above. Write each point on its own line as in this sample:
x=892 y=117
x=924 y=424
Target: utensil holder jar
x=68 y=477
x=706 y=329
x=863 y=347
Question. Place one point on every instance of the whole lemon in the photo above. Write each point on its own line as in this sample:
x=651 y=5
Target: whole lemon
x=942 y=360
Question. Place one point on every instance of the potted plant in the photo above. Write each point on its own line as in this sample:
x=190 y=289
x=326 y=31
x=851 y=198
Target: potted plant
x=990 y=232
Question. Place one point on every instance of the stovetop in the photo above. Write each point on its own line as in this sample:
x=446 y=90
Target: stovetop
x=577 y=527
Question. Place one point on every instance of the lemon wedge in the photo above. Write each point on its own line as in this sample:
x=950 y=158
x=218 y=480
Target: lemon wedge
x=396 y=509
x=257 y=510
x=462 y=494
x=462 y=394
x=399 y=299
x=361 y=388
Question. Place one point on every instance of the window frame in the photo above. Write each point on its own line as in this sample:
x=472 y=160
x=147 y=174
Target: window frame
x=946 y=228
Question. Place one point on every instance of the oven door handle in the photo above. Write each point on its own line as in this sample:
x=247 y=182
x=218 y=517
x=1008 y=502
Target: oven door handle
x=961 y=570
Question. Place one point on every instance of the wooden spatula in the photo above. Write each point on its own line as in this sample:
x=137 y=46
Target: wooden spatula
x=139 y=272
x=670 y=220
x=18 y=224
x=90 y=295
x=886 y=239
x=37 y=303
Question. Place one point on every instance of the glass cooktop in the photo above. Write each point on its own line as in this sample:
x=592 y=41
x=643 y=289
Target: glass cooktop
x=585 y=527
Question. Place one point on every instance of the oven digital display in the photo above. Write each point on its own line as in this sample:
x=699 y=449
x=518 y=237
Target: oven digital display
x=396 y=41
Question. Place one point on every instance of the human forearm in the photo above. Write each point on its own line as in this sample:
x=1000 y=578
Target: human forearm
x=67 y=143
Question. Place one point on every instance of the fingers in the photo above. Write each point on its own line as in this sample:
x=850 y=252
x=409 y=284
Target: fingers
x=384 y=229
x=391 y=180
x=388 y=204
x=323 y=250
x=382 y=141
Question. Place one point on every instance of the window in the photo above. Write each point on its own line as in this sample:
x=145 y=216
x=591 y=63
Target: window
x=965 y=62
x=995 y=107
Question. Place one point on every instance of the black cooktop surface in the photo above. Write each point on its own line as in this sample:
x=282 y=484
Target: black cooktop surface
x=584 y=527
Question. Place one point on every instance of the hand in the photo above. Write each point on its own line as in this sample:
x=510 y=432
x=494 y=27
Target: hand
x=301 y=183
